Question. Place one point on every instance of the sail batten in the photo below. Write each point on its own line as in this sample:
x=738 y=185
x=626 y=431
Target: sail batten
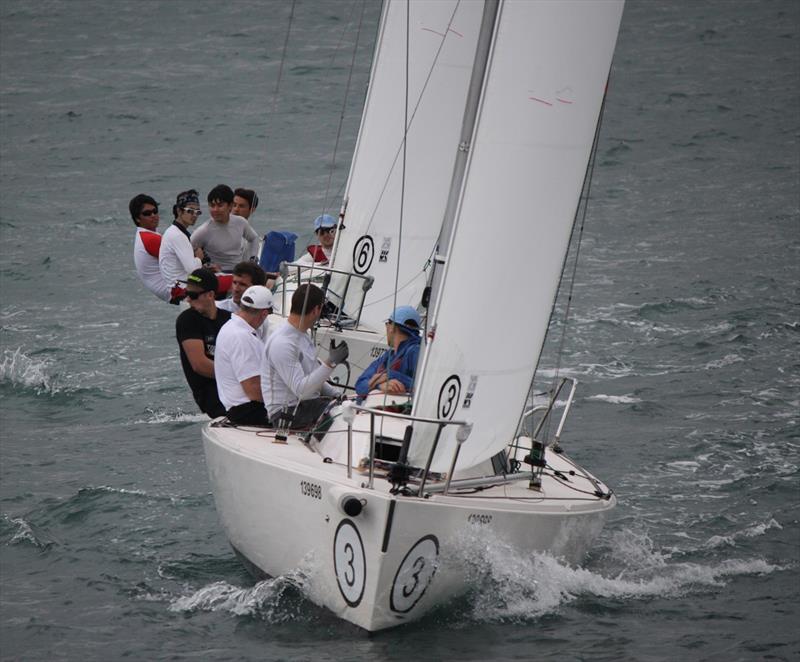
x=533 y=133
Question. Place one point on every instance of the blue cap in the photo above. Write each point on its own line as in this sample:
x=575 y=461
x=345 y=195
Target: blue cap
x=324 y=221
x=403 y=316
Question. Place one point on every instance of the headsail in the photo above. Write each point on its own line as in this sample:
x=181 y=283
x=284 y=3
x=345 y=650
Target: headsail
x=540 y=104
x=442 y=37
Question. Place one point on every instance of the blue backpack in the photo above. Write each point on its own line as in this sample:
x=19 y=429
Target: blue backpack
x=278 y=247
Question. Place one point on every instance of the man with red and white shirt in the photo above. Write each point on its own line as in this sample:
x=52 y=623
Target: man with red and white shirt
x=146 y=244
x=325 y=229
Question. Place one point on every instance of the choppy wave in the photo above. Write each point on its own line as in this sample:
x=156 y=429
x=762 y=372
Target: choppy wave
x=510 y=586
x=20 y=531
x=749 y=532
x=627 y=399
x=22 y=371
x=160 y=416
x=275 y=600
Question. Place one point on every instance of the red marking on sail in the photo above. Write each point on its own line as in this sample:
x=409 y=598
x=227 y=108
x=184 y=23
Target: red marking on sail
x=546 y=103
x=441 y=34
x=563 y=100
x=454 y=32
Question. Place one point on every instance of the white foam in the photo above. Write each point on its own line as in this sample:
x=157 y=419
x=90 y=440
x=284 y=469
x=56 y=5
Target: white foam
x=115 y=490
x=24 y=533
x=514 y=586
x=159 y=417
x=262 y=599
x=750 y=532
x=728 y=359
x=627 y=399
x=21 y=370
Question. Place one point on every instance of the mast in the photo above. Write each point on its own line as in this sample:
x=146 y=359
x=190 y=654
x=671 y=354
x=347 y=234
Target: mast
x=488 y=21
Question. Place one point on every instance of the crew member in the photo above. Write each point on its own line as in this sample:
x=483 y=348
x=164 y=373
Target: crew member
x=221 y=237
x=393 y=371
x=325 y=229
x=177 y=259
x=237 y=360
x=197 y=329
x=245 y=202
x=146 y=244
x=292 y=379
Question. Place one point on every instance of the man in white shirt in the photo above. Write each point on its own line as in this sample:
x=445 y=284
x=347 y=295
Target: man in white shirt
x=221 y=237
x=292 y=379
x=146 y=245
x=237 y=359
x=176 y=258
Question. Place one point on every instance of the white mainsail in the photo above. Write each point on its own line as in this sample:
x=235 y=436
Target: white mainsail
x=540 y=104
x=442 y=36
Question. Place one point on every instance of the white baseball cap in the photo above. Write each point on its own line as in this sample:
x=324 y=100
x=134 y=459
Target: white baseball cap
x=257 y=296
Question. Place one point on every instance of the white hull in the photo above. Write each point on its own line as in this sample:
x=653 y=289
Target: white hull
x=282 y=509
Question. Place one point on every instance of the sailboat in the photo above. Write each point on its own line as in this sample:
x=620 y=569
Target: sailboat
x=374 y=511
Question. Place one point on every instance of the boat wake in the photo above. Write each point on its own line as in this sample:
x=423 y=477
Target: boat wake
x=277 y=600
x=161 y=416
x=508 y=586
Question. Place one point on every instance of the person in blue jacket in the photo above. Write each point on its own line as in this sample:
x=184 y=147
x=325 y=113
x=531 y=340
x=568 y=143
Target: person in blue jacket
x=393 y=371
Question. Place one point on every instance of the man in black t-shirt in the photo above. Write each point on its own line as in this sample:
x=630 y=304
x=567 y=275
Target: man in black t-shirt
x=197 y=330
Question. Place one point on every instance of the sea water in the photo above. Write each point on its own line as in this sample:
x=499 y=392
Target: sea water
x=683 y=331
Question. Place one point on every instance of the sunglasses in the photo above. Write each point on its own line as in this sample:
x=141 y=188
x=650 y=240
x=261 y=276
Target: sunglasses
x=193 y=295
x=149 y=213
x=189 y=210
x=326 y=230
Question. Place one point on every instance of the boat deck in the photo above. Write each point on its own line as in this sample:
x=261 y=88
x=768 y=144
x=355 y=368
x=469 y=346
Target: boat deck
x=566 y=487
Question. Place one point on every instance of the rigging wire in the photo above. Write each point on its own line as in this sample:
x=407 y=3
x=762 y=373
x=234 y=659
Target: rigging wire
x=325 y=201
x=410 y=121
x=588 y=188
x=274 y=101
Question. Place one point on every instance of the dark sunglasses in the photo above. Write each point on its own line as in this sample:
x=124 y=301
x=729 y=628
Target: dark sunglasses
x=149 y=212
x=193 y=295
x=326 y=230
x=189 y=210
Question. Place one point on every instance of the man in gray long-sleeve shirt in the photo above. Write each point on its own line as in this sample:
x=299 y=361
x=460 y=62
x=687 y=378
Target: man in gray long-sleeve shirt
x=222 y=236
x=292 y=379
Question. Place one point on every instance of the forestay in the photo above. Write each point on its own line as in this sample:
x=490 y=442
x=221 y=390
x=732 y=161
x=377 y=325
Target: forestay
x=442 y=37
x=542 y=94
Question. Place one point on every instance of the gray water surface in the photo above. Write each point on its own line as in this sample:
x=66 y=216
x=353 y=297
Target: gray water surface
x=683 y=332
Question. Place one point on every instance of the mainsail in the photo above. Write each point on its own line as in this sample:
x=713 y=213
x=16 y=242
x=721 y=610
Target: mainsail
x=441 y=48
x=544 y=85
